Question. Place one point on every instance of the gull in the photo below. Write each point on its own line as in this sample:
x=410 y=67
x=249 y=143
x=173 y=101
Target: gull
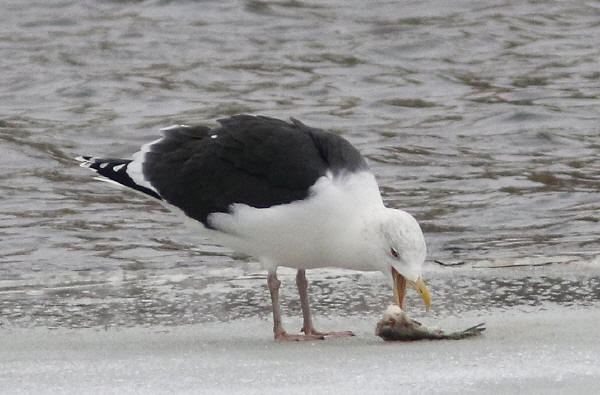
x=283 y=192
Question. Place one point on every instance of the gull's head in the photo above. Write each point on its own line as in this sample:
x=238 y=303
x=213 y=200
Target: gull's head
x=401 y=253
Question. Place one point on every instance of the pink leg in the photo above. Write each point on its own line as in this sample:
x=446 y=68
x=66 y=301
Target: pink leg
x=308 y=327
x=278 y=331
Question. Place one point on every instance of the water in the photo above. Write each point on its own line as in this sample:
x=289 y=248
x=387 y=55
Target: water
x=480 y=118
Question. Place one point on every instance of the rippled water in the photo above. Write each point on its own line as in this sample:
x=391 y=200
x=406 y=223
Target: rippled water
x=481 y=118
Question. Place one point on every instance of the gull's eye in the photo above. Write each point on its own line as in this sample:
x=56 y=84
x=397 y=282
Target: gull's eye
x=394 y=252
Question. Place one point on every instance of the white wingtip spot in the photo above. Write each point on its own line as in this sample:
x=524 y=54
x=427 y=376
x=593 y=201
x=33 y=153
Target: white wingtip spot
x=103 y=165
x=85 y=162
x=213 y=136
x=118 y=167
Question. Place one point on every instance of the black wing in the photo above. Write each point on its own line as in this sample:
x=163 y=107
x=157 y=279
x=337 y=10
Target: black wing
x=258 y=161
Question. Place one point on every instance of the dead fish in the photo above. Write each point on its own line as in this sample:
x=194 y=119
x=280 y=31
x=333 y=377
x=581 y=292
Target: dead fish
x=395 y=325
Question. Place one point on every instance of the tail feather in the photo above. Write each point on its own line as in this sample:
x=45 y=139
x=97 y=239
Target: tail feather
x=114 y=171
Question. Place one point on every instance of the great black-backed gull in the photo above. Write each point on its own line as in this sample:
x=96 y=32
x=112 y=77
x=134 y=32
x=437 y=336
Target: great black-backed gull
x=288 y=194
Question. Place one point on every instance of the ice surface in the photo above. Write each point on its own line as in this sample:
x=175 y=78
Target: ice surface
x=553 y=350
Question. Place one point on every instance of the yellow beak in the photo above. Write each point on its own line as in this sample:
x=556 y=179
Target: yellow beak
x=400 y=289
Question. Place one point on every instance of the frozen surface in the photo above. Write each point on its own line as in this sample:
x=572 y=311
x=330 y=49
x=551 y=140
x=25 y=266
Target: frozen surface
x=554 y=350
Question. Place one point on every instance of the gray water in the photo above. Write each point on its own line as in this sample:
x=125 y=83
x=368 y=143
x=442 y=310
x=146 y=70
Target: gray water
x=480 y=118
